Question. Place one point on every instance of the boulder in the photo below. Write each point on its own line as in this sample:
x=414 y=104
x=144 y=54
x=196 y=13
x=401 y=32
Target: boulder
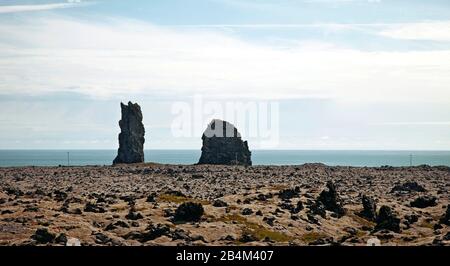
x=318 y=208
x=331 y=200
x=369 y=208
x=424 y=202
x=219 y=203
x=408 y=187
x=131 y=137
x=222 y=144
x=43 y=236
x=446 y=217
x=289 y=193
x=247 y=211
x=188 y=212
x=387 y=220
x=91 y=207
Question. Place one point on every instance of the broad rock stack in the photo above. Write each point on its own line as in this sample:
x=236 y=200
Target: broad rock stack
x=222 y=144
x=131 y=137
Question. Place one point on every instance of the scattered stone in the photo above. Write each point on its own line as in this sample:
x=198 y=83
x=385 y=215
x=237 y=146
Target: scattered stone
x=424 y=202
x=6 y=212
x=219 y=203
x=151 y=198
x=247 y=211
x=60 y=195
x=437 y=226
x=131 y=137
x=373 y=242
x=168 y=213
x=289 y=193
x=447 y=237
x=180 y=234
x=446 y=217
x=102 y=239
x=408 y=187
x=387 y=220
x=134 y=215
x=31 y=209
x=245 y=238
x=318 y=209
x=228 y=238
x=91 y=207
x=152 y=233
x=222 y=144
x=269 y=220
x=369 y=208
x=411 y=219
x=61 y=239
x=312 y=219
x=188 y=212
x=73 y=242
x=43 y=236
x=331 y=200
x=115 y=225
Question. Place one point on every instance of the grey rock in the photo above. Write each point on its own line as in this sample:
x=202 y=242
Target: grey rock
x=131 y=137
x=331 y=200
x=386 y=220
x=247 y=211
x=446 y=217
x=408 y=187
x=424 y=202
x=222 y=144
x=43 y=236
x=188 y=212
x=369 y=208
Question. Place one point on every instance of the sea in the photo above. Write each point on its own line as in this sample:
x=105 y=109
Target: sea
x=15 y=158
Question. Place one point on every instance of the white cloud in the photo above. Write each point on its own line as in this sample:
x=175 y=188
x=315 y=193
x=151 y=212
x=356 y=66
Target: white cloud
x=414 y=123
x=122 y=57
x=26 y=8
x=429 y=31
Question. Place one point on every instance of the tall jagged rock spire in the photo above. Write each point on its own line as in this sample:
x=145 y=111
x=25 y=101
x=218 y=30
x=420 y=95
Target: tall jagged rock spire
x=131 y=137
x=222 y=144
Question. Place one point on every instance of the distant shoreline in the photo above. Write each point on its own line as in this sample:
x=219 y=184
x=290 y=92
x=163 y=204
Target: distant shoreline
x=355 y=158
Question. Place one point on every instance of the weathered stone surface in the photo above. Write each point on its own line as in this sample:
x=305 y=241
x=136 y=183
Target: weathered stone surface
x=408 y=187
x=131 y=137
x=289 y=193
x=188 y=212
x=446 y=217
x=43 y=236
x=331 y=200
x=222 y=144
x=424 y=202
x=387 y=220
x=369 y=208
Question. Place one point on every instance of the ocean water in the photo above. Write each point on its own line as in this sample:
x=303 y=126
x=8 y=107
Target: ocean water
x=259 y=157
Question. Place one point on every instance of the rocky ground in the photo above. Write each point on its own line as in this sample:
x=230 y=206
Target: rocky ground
x=150 y=204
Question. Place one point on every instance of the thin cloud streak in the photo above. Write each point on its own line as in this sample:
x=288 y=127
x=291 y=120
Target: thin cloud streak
x=27 y=8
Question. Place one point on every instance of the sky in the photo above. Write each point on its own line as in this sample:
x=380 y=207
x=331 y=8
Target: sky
x=345 y=74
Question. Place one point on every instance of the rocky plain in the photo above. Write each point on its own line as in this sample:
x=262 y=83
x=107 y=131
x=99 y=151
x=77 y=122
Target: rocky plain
x=154 y=204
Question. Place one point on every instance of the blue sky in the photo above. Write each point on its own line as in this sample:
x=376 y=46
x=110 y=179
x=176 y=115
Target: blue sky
x=347 y=74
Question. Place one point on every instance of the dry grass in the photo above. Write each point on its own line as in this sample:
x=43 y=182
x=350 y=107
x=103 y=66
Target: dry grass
x=426 y=224
x=361 y=220
x=180 y=199
x=258 y=231
x=312 y=236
